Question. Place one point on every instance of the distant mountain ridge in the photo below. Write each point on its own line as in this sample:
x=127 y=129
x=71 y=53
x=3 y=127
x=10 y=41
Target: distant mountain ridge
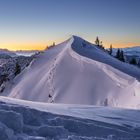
x=131 y=51
x=26 y=52
x=7 y=52
x=18 y=52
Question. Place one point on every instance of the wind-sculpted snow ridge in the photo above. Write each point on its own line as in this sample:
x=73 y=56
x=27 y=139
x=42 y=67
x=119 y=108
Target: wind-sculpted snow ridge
x=78 y=72
x=25 y=120
x=99 y=55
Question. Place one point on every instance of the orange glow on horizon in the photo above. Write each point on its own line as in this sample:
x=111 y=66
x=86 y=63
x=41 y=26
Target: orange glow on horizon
x=14 y=47
x=116 y=44
x=119 y=44
x=29 y=45
x=43 y=45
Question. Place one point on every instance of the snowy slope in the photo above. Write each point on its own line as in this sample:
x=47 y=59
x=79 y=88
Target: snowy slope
x=77 y=72
x=41 y=121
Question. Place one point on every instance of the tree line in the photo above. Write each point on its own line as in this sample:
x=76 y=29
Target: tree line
x=119 y=53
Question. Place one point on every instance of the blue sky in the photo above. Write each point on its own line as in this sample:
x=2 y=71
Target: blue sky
x=32 y=24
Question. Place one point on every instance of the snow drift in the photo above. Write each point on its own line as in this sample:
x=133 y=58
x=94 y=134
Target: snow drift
x=78 y=72
x=42 y=121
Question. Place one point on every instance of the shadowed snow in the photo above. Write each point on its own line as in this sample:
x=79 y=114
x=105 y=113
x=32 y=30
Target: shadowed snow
x=25 y=120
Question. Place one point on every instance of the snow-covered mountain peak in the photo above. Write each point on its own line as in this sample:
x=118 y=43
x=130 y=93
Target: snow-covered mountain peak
x=80 y=42
x=78 y=72
x=76 y=41
x=76 y=38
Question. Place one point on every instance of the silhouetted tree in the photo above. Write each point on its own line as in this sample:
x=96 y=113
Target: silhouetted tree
x=17 y=69
x=53 y=44
x=121 y=58
x=97 y=41
x=110 y=49
x=133 y=61
x=118 y=54
x=101 y=45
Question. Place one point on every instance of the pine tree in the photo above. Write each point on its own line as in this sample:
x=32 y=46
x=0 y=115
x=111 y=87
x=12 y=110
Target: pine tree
x=17 y=69
x=110 y=49
x=133 y=61
x=121 y=58
x=118 y=54
x=97 y=41
x=101 y=45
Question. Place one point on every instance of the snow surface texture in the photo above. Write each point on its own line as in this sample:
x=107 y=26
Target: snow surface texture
x=77 y=72
x=26 y=120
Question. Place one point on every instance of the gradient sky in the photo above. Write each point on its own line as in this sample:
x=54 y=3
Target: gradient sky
x=33 y=24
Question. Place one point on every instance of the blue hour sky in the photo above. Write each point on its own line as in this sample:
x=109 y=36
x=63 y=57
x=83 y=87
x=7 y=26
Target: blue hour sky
x=33 y=24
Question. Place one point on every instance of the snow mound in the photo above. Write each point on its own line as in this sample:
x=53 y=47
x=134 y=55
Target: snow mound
x=41 y=121
x=78 y=72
